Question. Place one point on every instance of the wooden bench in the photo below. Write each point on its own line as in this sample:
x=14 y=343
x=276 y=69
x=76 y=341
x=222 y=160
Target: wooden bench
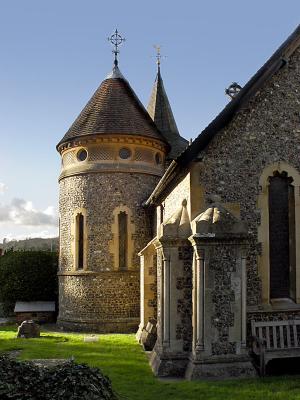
x=275 y=339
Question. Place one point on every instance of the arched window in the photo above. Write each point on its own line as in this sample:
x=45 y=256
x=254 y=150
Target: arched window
x=282 y=236
x=279 y=235
x=123 y=240
x=79 y=241
x=122 y=245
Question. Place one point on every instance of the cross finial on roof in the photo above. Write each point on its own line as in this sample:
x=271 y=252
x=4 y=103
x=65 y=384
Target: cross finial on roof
x=116 y=40
x=158 y=55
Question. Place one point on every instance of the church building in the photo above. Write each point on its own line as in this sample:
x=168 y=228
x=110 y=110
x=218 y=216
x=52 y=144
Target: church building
x=216 y=224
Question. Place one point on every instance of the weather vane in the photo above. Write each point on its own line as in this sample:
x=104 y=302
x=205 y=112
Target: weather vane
x=158 y=55
x=116 y=40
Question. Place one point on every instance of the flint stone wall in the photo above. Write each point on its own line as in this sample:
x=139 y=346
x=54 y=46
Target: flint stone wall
x=184 y=284
x=223 y=297
x=103 y=299
x=100 y=194
x=266 y=132
x=106 y=302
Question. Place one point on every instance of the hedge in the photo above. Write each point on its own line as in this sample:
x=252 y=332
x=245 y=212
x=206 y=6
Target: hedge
x=27 y=276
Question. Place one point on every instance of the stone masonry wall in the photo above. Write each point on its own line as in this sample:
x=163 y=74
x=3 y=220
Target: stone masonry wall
x=100 y=194
x=223 y=297
x=105 y=296
x=174 y=200
x=107 y=302
x=184 y=303
x=266 y=132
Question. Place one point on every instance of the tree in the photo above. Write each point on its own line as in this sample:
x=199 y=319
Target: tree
x=28 y=276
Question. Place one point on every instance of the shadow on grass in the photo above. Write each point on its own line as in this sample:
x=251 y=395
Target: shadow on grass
x=122 y=359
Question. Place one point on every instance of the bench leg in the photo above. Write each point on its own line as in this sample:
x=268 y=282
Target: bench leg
x=262 y=366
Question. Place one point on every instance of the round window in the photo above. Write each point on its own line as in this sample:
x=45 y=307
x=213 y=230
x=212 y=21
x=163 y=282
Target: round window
x=158 y=158
x=124 y=153
x=82 y=155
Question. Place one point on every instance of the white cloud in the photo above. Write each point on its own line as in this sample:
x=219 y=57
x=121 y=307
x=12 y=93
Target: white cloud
x=22 y=212
x=41 y=234
x=3 y=187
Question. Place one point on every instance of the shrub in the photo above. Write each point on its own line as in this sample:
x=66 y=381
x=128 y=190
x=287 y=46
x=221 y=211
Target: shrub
x=26 y=381
x=27 y=276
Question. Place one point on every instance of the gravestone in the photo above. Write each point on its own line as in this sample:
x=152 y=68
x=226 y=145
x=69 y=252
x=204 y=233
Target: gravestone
x=149 y=336
x=28 y=329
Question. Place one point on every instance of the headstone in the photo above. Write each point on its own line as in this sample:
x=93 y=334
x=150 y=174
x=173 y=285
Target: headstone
x=149 y=336
x=28 y=329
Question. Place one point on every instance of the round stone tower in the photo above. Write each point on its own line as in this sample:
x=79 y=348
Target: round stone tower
x=112 y=158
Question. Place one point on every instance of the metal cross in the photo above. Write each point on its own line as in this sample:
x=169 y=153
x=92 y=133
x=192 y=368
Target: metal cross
x=116 y=40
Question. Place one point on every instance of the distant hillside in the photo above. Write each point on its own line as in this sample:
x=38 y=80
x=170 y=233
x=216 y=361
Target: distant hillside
x=32 y=244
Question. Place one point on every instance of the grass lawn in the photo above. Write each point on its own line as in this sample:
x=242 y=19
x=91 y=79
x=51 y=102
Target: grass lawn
x=122 y=359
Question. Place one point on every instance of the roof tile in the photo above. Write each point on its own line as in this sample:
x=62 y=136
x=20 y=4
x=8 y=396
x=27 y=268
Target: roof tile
x=113 y=109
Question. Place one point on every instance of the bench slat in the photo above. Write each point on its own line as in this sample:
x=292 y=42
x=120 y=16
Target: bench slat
x=268 y=337
x=260 y=333
x=281 y=336
x=295 y=336
x=288 y=336
x=274 y=337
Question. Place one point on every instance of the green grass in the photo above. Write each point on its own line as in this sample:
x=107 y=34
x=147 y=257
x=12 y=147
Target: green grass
x=122 y=359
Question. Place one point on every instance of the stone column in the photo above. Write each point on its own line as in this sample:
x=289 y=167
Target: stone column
x=244 y=298
x=148 y=292
x=219 y=297
x=166 y=283
x=198 y=300
x=170 y=354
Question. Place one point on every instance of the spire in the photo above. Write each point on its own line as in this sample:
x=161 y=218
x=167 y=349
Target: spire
x=160 y=111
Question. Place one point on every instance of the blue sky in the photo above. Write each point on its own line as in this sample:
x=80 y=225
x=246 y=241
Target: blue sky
x=54 y=54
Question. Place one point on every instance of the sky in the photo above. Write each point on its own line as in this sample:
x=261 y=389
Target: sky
x=54 y=54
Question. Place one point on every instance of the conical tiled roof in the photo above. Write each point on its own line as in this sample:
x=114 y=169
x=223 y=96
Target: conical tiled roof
x=160 y=111
x=113 y=109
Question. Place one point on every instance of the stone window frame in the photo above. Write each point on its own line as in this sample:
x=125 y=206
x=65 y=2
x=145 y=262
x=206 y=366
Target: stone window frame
x=114 y=243
x=75 y=233
x=263 y=228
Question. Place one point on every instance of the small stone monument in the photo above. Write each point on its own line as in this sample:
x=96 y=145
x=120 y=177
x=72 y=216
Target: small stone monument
x=28 y=329
x=91 y=338
x=149 y=336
